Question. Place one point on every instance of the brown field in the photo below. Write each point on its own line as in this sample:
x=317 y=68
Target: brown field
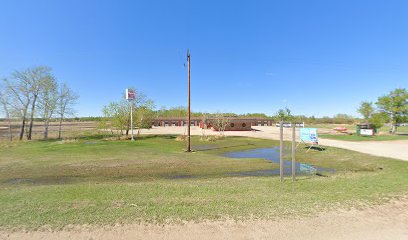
x=69 y=129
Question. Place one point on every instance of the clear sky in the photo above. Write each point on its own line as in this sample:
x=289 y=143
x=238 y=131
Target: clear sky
x=316 y=57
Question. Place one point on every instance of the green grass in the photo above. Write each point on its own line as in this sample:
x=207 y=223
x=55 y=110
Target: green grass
x=47 y=183
x=402 y=129
x=364 y=138
x=331 y=126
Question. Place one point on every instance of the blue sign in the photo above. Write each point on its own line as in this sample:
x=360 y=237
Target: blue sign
x=309 y=135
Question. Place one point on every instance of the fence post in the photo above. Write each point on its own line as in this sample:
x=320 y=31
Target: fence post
x=281 y=152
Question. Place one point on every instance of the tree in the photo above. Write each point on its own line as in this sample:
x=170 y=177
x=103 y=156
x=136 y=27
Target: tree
x=66 y=100
x=19 y=88
x=366 y=109
x=284 y=115
x=395 y=104
x=343 y=118
x=5 y=107
x=143 y=114
x=118 y=113
x=220 y=122
x=378 y=120
x=48 y=100
x=36 y=77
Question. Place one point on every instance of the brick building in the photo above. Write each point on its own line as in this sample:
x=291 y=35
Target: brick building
x=235 y=124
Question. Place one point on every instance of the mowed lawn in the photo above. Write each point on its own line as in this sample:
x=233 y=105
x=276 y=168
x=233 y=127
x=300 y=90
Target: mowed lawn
x=92 y=181
x=357 y=138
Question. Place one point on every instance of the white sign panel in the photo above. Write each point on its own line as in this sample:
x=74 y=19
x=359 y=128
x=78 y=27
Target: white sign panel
x=367 y=132
x=309 y=135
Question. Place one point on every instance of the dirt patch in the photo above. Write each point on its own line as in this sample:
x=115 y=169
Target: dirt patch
x=387 y=221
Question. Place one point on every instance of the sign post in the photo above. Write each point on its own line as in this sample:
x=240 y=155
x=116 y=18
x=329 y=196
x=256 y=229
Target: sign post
x=281 y=161
x=131 y=96
x=293 y=152
x=281 y=151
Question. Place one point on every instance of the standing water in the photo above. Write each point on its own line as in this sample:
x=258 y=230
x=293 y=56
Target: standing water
x=272 y=154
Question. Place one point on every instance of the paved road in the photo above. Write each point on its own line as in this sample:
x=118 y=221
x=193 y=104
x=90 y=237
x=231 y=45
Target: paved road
x=394 y=149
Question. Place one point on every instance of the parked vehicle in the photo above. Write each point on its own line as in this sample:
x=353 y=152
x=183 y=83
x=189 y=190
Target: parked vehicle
x=288 y=124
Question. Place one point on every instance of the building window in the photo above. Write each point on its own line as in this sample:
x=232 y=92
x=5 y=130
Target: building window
x=243 y=125
x=232 y=125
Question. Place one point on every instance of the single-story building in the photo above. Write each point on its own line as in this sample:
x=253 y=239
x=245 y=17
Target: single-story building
x=235 y=124
x=231 y=125
x=175 y=121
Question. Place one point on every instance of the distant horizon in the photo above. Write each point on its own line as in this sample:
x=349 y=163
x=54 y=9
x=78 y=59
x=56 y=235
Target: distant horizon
x=316 y=58
x=2 y=117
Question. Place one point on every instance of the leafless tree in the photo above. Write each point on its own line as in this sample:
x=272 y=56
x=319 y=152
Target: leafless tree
x=66 y=100
x=48 y=99
x=5 y=106
x=204 y=120
x=19 y=89
x=37 y=76
x=221 y=122
x=35 y=89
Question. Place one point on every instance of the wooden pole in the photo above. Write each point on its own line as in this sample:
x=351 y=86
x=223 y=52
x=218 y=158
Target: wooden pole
x=293 y=152
x=189 y=113
x=281 y=152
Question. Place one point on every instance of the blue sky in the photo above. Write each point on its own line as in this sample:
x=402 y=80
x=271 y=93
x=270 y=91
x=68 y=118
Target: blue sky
x=316 y=57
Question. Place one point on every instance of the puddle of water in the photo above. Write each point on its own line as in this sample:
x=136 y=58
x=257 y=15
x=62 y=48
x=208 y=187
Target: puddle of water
x=272 y=154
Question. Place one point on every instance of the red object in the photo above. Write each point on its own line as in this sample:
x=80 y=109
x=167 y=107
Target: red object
x=340 y=129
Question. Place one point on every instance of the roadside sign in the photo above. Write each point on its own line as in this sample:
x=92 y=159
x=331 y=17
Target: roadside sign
x=130 y=94
x=309 y=135
x=367 y=132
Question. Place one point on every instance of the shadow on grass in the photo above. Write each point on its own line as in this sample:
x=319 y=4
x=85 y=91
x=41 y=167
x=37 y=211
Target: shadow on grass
x=317 y=148
x=147 y=137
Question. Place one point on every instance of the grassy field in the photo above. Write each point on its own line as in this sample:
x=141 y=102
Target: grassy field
x=364 y=138
x=352 y=127
x=92 y=181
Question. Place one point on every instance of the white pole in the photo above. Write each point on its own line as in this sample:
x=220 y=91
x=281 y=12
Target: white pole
x=131 y=120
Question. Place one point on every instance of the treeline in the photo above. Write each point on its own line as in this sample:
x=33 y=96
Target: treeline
x=392 y=108
x=336 y=119
x=35 y=93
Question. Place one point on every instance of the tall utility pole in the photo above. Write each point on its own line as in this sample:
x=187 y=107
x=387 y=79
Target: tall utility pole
x=189 y=113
